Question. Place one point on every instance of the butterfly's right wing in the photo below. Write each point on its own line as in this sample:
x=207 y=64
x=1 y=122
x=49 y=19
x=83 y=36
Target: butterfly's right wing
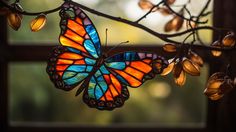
x=71 y=63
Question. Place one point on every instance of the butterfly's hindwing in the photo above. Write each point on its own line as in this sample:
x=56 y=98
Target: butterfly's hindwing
x=105 y=91
x=67 y=67
x=134 y=68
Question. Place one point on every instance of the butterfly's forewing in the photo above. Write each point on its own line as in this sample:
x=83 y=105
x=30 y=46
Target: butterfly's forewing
x=77 y=31
x=134 y=68
x=104 y=91
x=72 y=62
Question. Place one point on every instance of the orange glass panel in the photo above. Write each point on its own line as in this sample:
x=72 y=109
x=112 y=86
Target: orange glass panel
x=107 y=78
x=139 y=75
x=132 y=81
x=108 y=94
x=79 y=29
x=63 y=61
x=147 y=61
x=113 y=90
x=79 y=20
x=141 y=66
x=70 y=34
x=70 y=56
x=116 y=83
x=66 y=42
x=102 y=98
x=79 y=62
x=60 y=73
x=61 y=67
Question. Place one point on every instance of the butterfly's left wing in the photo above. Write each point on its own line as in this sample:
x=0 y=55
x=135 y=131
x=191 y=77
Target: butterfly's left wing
x=134 y=68
x=107 y=88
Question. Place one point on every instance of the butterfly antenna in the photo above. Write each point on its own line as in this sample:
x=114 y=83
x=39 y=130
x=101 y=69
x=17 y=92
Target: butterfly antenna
x=106 y=39
x=117 y=46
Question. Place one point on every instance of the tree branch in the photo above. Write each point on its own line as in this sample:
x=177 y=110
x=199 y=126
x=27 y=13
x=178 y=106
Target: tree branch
x=164 y=37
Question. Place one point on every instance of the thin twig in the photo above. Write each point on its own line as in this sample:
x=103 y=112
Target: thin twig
x=145 y=15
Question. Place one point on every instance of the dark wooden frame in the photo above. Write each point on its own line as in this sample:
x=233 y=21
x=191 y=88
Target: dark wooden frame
x=221 y=115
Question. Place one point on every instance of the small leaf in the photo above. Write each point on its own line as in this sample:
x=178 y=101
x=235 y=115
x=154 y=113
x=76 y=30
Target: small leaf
x=169 y=48
x=180 y=81
x=174 y=24
x=38 y=23
x=168 y=69
x=229 y=40
x=14 y=20
x=145 y=4
x=195 y=58
x=178 y=68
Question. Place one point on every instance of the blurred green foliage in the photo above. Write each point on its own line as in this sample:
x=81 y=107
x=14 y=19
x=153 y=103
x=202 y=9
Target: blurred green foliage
x=33 y=98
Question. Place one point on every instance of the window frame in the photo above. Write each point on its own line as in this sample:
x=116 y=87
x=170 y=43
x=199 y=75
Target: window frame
x=22 y=53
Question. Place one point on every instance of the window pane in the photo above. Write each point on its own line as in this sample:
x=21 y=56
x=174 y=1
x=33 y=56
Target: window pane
x=124 y=8
x=159 y=102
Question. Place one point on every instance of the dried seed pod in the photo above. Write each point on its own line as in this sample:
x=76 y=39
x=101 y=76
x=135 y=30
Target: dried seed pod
x=216 y=44
x=169 y=48
x=168 y=69
x=196 y=58
x=180 y=81
x=174 y=24
x=14 y=20
x=219 y=89
x=38 y=23
x=178 y=68
x=145 y=4
x=191 y=67
x=229 y=40
x=216 y=76
x=218 y=85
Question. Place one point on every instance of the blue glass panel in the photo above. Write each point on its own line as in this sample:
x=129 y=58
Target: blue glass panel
x=92 y=84
x=74 y=50
x=122 y=57
x=77 y=68
x=98 y=92
x=68 y=74
x=89 y=68
x=104 y=70
x=90 y=48
x=90 y=61
x=98 y=73
x=76 y=79
x=97 y=86
x=100 y=78
x=103 y=84
x=122 y=79
x=94 y=36
x=116 y=65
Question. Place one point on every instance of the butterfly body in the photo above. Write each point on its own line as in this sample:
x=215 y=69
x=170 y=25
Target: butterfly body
x=80 y=62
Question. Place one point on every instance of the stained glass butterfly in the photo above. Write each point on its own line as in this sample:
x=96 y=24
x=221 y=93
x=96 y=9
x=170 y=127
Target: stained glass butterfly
x=79 y=62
